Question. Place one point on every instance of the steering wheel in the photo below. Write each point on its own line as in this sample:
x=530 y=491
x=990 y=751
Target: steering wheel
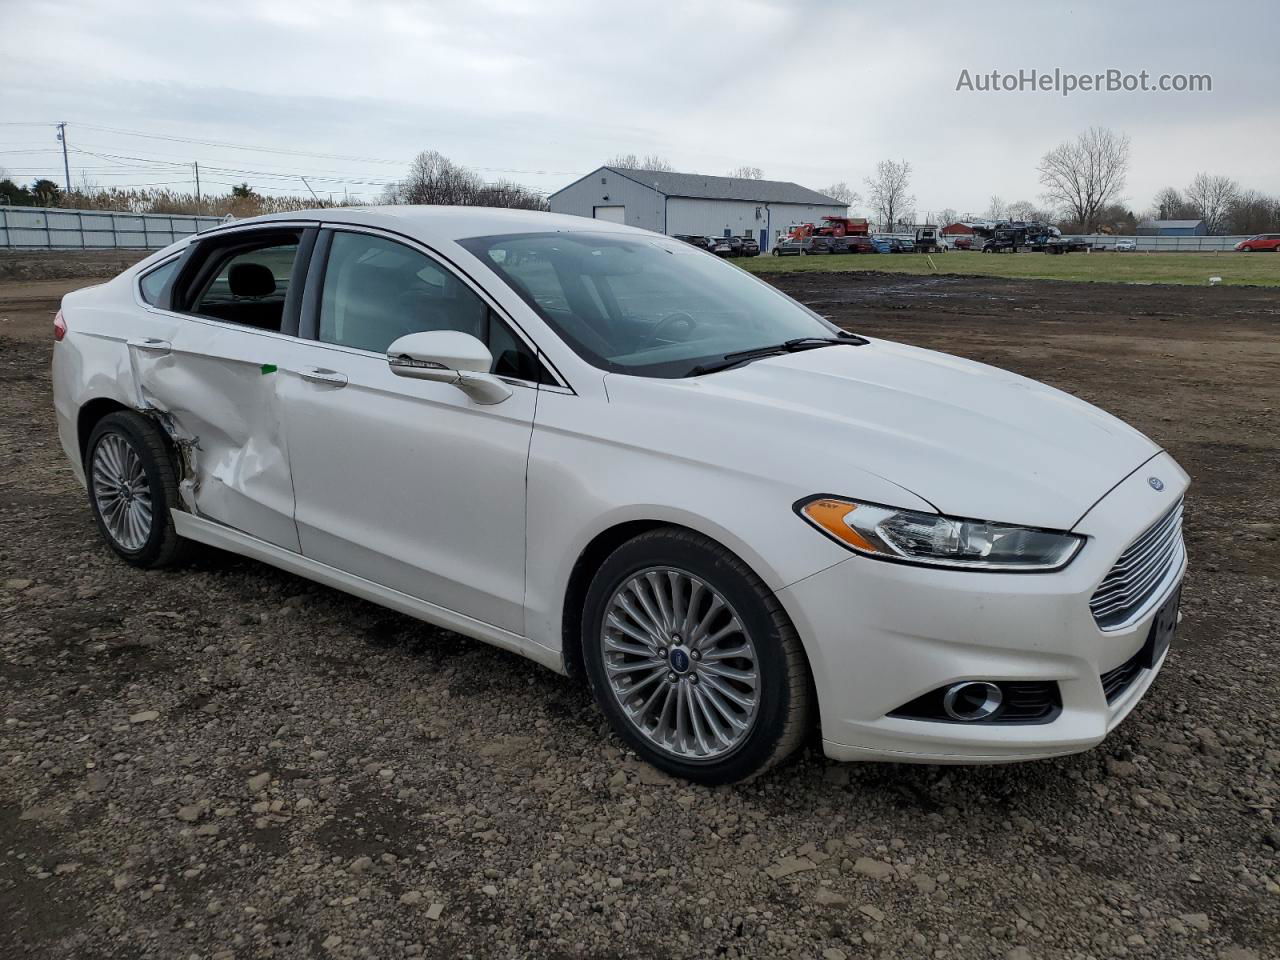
x=674 y=319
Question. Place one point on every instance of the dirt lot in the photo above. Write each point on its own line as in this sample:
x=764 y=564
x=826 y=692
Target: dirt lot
x=226 y=761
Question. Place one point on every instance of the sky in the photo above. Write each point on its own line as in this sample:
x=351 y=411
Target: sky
x=344 y=93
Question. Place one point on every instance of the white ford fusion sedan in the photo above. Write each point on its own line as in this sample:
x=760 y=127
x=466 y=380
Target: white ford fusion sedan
x=633 y=462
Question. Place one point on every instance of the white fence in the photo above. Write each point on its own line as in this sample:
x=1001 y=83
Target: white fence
x=51 y=228
x=1104 y=241
x=1101 y=241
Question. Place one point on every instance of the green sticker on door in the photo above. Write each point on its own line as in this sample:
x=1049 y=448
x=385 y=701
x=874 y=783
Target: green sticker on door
x=268 y=368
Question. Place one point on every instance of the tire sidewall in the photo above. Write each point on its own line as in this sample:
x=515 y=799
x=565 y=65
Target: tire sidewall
x=126 y=427
x=746 y=595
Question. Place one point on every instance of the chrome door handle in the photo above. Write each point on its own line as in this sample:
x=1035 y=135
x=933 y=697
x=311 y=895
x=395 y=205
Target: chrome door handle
x=323 y=375
x=151 y=345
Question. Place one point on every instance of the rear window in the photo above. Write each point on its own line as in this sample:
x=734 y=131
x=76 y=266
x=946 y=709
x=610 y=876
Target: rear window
x=153 y=282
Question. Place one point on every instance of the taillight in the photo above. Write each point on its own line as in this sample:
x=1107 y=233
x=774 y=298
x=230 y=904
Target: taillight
x=59 y=326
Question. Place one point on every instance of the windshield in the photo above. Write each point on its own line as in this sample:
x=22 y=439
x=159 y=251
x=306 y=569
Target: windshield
x=648 y=306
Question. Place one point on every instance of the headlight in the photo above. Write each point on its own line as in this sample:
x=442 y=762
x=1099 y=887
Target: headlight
x=907 y=536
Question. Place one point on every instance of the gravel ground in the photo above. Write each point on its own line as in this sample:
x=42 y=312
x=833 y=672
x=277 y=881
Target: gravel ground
x=226 y=761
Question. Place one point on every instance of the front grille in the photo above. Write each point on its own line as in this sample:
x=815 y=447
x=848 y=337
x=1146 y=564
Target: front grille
x=1133 y=581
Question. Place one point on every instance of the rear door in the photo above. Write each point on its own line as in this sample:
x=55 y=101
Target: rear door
x=408 y=483
x=215 y=379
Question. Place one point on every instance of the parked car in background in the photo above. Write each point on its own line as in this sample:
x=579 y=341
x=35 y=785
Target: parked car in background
x=720 y=246
x=750 y=247
x=1259 y=243
x=591 y=446
x=906 y=245
x=735 y=244
x=791 y=247
x=960 y=243
x=1126 y=245
x=882 y=244
x=694 y=239
x=820 y=245
x=852 y=245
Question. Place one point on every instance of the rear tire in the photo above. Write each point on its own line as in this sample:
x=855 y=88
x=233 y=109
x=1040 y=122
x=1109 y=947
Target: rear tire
x=132 y=482
x=722 y=691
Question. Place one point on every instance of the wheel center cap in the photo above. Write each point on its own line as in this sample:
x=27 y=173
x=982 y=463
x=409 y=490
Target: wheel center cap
x=679 y=660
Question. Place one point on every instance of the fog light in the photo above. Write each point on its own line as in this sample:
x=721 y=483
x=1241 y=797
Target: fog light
x=972 y=700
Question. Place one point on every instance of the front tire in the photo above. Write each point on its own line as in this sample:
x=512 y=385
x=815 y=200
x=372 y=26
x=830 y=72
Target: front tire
x=693 y=660
x=133 y=484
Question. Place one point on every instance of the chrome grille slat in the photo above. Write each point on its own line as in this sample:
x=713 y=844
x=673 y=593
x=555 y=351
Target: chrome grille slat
x=1137 y=559
x=1132 y=580
x=1149 y=542
x=1135 y=579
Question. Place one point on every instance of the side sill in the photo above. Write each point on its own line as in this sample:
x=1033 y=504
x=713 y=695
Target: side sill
x=217 y=535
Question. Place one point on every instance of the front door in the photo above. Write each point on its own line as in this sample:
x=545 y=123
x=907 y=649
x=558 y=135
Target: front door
x=407 y=483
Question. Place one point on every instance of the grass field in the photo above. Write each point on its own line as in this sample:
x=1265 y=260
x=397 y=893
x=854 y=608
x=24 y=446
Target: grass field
x=1239 y=269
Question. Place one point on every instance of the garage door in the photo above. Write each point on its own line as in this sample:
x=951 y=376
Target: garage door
x=612 y=214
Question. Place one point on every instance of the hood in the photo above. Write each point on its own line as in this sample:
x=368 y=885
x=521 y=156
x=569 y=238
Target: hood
x=973 y=440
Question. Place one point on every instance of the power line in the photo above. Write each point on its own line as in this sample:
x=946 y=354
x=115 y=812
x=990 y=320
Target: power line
x=296 y=153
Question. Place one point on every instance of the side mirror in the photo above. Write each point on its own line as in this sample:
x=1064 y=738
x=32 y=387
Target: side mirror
x=448 y=356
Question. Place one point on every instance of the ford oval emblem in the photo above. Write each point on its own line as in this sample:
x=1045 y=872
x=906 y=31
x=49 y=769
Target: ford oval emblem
x=1156 y=483
x=679 y=660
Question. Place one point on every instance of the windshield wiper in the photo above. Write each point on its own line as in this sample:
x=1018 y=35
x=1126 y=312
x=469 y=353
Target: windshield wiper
x=787 y=346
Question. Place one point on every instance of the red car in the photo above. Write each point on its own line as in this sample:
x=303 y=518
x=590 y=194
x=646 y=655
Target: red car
x=1263 y=241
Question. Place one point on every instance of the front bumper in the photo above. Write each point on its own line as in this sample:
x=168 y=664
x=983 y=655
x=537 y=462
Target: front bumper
x=879 y=634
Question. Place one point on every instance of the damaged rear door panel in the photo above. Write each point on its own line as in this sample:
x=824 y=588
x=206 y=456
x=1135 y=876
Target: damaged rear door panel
x=214 y=390
x=214 y=384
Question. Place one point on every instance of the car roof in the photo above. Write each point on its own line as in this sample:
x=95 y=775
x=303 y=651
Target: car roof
x=443 y=223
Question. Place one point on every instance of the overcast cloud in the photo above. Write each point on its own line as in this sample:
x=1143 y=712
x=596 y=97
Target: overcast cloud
x=543 y=92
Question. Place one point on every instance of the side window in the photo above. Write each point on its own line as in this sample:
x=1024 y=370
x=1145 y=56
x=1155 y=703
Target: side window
x=249 y=284
x=152 y=284
x=377 y=290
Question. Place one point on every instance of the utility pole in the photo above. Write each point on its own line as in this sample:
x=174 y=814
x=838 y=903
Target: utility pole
x=308 y=186
x=196 y=164
x=66 y=167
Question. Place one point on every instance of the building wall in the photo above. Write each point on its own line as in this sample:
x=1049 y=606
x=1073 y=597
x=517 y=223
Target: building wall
x=604 y=188
x=648 y=209
x=713 y=218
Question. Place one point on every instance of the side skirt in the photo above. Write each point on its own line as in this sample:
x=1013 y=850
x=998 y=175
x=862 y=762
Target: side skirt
x=225 y=538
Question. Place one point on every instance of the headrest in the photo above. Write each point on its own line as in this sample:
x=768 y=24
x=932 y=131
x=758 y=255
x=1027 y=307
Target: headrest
x=251 y=280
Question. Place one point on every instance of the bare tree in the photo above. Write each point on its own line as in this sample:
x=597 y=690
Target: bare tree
x=1083 y=175
x=747 y=173
x=947 y=216
x=650 y=161
x=1211 y=199
x=1171 y=205
x=997 y=209
x=435 y=179
x=843 y=192
x=888 y=190
x=1252 y=212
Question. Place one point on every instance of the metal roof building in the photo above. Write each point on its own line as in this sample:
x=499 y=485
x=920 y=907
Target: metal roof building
x=1172 y=228
x=693 y=203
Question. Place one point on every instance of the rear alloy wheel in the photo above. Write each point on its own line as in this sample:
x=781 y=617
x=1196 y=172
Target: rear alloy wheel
x=693 y=660
x=132 y=485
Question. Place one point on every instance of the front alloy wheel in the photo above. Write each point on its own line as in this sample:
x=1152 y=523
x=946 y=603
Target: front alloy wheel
x=692 y=658
x=680 y=664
